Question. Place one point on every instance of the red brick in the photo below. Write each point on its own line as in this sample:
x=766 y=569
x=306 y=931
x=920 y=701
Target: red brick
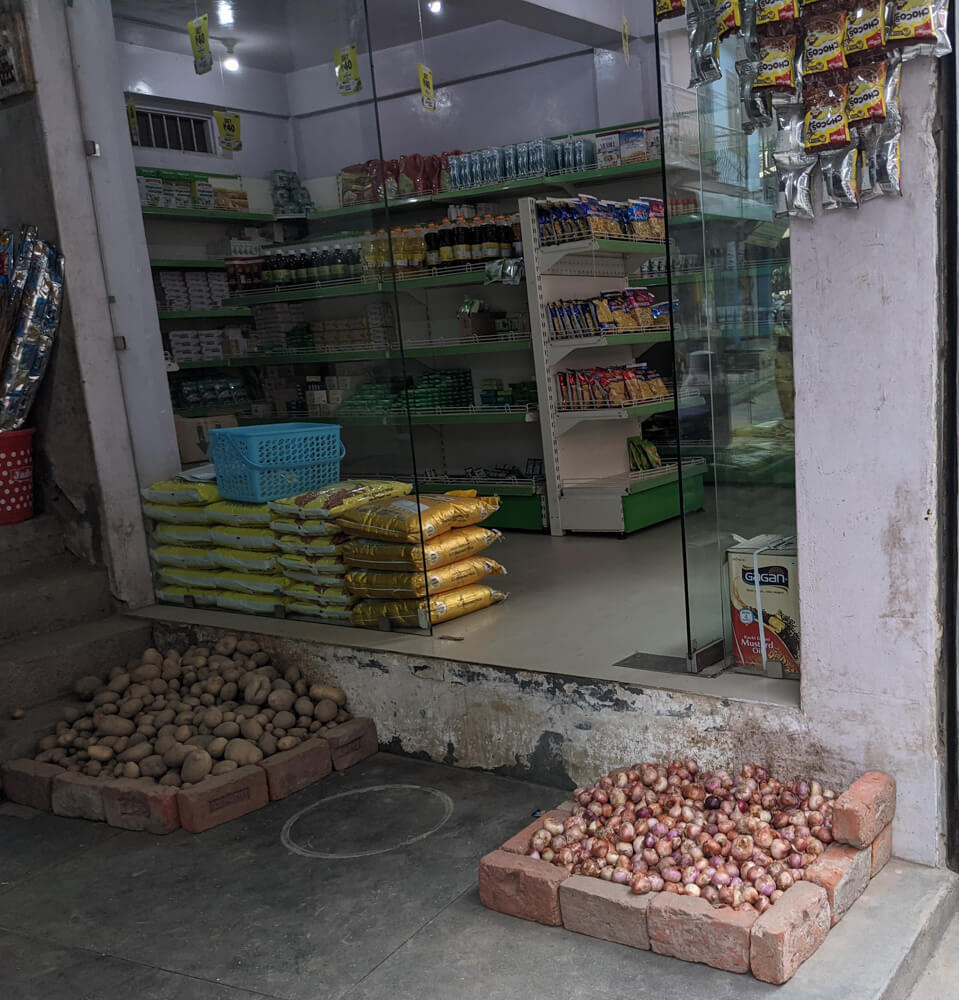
x=78 y=795
x=864 y=809
x=291 y=770
x=519 y=842
x=350 y=742
x=134 y=804
x=218 y=800
x=30 y=782
x=691 y=929
x=605 y=910
x=881 y=851
x=521 y=887
x=843 y=872
x=788 y=933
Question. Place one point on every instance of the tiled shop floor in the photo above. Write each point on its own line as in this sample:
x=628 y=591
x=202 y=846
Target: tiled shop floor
x=259 y=907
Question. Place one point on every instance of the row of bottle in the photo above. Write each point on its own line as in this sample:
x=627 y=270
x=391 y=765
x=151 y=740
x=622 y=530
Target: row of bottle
x=443 y=245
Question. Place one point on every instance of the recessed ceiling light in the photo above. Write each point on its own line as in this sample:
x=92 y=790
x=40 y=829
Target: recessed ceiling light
x=224 y=13
x=434 y=6
x=231 y=63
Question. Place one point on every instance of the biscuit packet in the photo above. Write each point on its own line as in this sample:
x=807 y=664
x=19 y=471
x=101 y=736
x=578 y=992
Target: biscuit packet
x=866 y=98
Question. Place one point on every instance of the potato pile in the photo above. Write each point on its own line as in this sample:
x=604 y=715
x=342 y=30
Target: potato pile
x=175 y=719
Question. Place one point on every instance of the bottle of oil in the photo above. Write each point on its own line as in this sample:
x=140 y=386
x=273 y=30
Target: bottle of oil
x=314 y=270
x=445 y=241
x=462 y=241
x=381 y=252
x=504 y=232
x=490 y=238
x=281 y=272
x=476 y=238
x=326 y=273
x=369 y=256
x=431 y=239
x=302 y=266
x=400 y=252
x=266 y=273
x=417 y=249
x=337 y=264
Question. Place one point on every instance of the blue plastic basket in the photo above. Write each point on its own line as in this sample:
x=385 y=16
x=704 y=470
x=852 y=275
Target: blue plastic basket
x=272 y=461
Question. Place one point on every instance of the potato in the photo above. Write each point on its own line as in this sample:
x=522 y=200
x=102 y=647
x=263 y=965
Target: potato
x=131 y=770
x=106 y=698
x=84 y=725
x=136 y=739
x=226 y=646
x=303 y=722
x=214 y=685
x=119 y=683
x=325 y=710
x=315 y=725
x=146 y=672
x=281 y=685
x=149 y=732
x=93 y=769
x=71 y=714
x=228 y=692
x=175 y=756
x=174 y=683
x=212 y=717
x=255 y=693
x=100 y=753
x=287 y=743
x=300 y=731
x=152 y=656
x=183 y=733
x=342 y=716
x=301 y=687
x=158 y=686
x=247 y=647
x=196 y=766
x=320 y=691
x=224 y=767
x=228 y=730
x=251 y=729
x=202 y=740
x=240 y=661
x=130 y=707
x=228 y=714
x=267 y=743
x=216 y=747
x=114 y=725
x=172 y=674
x=135 y=753
x=153 y=766
x=292 y=675
x=207 y=699
x=283 y=720
x=108 y=709
x=281 y=701
x=261 y=659
x=303 y=706
x=243 y=752
x=171 y=778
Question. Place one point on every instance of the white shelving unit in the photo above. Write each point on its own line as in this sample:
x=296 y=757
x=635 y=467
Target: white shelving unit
x=589 y=485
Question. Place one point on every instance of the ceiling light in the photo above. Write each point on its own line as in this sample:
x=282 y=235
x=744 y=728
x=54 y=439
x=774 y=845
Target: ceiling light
x=224 y=13
x=231 y=63
x=434 y=6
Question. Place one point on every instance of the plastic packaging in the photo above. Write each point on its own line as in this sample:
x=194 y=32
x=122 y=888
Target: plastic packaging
x=419 y=613
x=183 y=556
x=318 y=593
x=319 y=545
x=368 y=553
x=332 y=501
x=793 y=165
x=231 y=537
x=183 y=576
x=304 y=528
x=373 y=583
x=233 y=512
x=176 y=491
x=170 y=594
x=250 y=583
x=313 y=569
x=170 y=514
x=256 y=604
x=181 y=534
x=703 y=43
x=244 y=560
x=404 y=520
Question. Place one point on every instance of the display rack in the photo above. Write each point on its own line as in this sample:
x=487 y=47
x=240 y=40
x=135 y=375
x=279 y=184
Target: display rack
x=588 y=485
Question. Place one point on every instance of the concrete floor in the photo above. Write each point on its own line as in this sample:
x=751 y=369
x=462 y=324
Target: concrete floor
x=88 y=912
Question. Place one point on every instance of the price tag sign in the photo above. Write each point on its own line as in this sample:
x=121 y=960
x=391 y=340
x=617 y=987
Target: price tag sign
x=132 y=121
x=199 y=30
x=347 y=67
x=228 y=127
x=624 y=31
x=427 y=93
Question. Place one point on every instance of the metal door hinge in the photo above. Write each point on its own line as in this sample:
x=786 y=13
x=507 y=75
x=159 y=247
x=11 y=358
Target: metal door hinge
x=91 y=148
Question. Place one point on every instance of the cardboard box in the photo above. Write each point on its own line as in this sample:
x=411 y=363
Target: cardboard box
x=764 y=586
x=607 y=149
x=633 y=146
x=193 y=435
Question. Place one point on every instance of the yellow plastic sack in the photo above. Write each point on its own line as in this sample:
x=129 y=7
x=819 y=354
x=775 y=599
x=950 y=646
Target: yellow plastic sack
x=233 y=512
x=335 y=615
x=313 y=569
x=399 y=520
x=331 y=501
x=172 y=514
x=250 y=583
x=168 y=594
x=317 y=593
x=417 y=613
x=182 y=555
x=371 y=583
x=244 y=560
x=181 y=534
x=181 y=576
x=176 y=491
x=459 y=543
x=305 y=545
x=255 y=604
x=306 y=529
x=230 y=537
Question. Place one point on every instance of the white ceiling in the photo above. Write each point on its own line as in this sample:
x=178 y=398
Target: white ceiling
x=284 y=35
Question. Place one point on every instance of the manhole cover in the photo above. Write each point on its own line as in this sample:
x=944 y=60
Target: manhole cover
x=366 y=821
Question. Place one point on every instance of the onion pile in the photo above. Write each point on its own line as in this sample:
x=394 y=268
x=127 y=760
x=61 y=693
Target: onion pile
x=739 y=842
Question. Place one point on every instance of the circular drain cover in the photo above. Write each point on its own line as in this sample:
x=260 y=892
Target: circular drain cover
x=366 y=821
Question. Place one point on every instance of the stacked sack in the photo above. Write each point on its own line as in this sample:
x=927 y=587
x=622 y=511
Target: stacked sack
x=310 y=545
x=219 y=553
x=415 y=562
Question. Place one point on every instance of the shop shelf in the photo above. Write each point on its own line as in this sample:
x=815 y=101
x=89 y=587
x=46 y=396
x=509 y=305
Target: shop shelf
x=725 y=274
x=398 y=418
x=602 y=247
x=559 y=348
x=232 y=312
x=477 y=345
x=468 y=275
x=203 y=215
x=215 y=411
x=565 y=419
x=187 y=265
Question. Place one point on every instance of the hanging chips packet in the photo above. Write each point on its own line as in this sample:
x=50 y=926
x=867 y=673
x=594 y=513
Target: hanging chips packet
x=703 y=43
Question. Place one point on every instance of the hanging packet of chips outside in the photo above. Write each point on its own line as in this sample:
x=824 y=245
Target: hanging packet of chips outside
x=823 y=45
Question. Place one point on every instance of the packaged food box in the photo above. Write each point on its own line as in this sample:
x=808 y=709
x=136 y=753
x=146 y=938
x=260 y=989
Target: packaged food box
x=764 y=605
x=632 y=146
x=203 y=195
x=607 y=149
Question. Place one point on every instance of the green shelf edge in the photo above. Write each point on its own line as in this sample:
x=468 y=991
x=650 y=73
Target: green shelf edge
x=207 y=314
x=187 y=265
x=614 y=339
x=750 y=271
x=383 y=420
x=204 y=215
x=504 y=490
x=477 y=277
x=284 y=358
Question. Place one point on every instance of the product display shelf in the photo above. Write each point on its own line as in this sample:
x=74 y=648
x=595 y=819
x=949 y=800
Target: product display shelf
x=464 y=274
x=203 y=215
x=398 y=418
x=230 y=313
x=595 y=248
x=569 y=417
x=753 y=270
x=560 y=347
x=174 y=264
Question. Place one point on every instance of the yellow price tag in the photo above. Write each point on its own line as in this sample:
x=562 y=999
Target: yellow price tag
x=624 y=32
x=132 y=121
x=428 y=94
x=347 y=66
x=228 y=126
x=199 y=30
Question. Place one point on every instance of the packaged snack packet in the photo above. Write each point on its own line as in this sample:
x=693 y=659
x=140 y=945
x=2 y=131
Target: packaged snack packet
x=777 y=65
x=703 y=42
x=823 y=45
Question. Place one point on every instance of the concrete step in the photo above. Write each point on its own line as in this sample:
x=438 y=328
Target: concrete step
x=19 y=738
x=29 y=542
x=38 y=668
x=940 y=978
x=52 y=595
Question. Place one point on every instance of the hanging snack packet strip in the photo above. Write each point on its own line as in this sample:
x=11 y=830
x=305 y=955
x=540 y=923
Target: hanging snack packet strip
x=793 y=165
x=840 y=176
x=777 y=65
x=866 y=100
x=826 y=124
x=669 y=8
x=776 y=17
x=865 y=31
x=703 y=42
x=729 y=17
x=823 y=45
x=919 y=28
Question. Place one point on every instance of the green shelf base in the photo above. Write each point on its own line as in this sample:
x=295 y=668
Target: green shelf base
x=203 y=215
x=187 y=265
x=207 y=314
x=660 y=502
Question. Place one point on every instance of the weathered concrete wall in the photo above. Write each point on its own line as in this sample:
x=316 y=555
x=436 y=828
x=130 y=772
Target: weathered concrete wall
x=868 y=375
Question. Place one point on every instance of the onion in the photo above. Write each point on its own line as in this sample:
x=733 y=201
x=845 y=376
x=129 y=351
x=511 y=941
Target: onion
x=823 y=834
x=721 y=879
x=534 y=854
x=710 y=894
x=794 y=860
x=600 y=796
x=784 y=880
x=779 y=849
x=656 y=882
x=606 y=874
x=742 y=848
x=548 y=854
x=750 y=894
x=763 y=904
x=672 y=874
x=558 y=842
x=692 y=890
x=766 y=885
x=623 y=847
x=627 y=832
x=619 y=875
x=712 y=802
x=802 y=789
